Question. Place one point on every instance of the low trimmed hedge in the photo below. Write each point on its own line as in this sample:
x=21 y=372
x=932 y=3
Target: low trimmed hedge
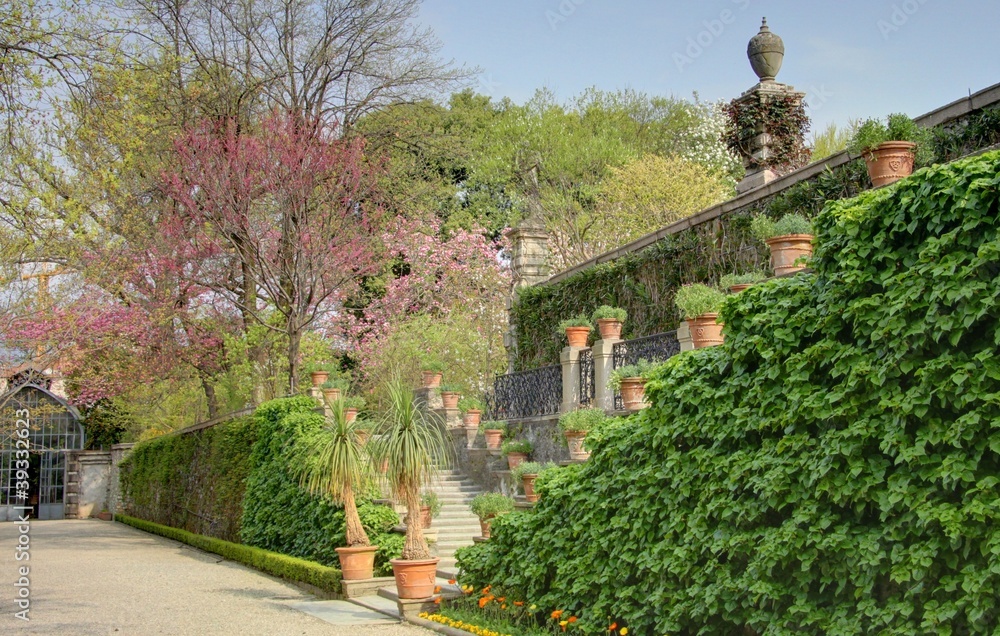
x=286 y=567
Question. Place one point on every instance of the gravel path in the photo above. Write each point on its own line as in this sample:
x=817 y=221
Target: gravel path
x=97 y=577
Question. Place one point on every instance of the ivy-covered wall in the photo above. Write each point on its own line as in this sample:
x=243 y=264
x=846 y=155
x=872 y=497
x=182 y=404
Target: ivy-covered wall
x=644 y=283
x=235 y=481
x=833 y=468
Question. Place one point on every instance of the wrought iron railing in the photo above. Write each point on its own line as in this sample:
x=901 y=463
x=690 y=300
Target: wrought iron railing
x=586 y=376
x=526 y=394
x=655 y=348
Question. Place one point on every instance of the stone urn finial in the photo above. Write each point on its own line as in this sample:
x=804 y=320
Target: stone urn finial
x=765 y=50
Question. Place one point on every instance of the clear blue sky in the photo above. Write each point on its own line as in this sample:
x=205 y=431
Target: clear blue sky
x=853 y=58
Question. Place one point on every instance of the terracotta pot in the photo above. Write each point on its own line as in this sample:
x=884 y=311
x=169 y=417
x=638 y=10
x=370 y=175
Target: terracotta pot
x=471 y=433
x=104 y=515
x=787 y=249
x=529 y=487
x=415 y=579
x=577 y=336
x=363 y=437
x=331 y=395
x=431 y=379
x=610 y=329
x=705 y=332
x=889 y=162
x=350 y=414
x=574 y=440
x=425 y=516
x=357 y=563
x=513 y=459
x=493 y=438
x=735 y=289
x=471 y=417
x=450 y=399
x=319 y=377
x=484 y=525
x=633 y=391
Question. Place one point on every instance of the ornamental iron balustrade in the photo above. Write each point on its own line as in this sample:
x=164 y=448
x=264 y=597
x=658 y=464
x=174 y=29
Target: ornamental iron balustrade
x=526 y=394
x=586 y=377
x=655 y=348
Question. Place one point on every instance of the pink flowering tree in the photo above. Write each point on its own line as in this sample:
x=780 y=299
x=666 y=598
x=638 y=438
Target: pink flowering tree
x=289 y=209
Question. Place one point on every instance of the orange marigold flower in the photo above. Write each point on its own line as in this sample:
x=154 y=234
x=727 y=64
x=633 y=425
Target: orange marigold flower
x=572 y=619
x=613 y=627
x=556 y=614
x=451 y=581
x=437 y=601
x=502 y=599
x=482 y=602
x=437 y=589
x=518 y=603
x=504 y=606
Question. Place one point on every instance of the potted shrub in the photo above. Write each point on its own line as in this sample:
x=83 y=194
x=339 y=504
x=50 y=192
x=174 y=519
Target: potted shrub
x=890 y=149
x=609 y=321
x=736 y=283
x=525 y=473
x=430 y=507
x=494 y=432
x=104 y=514
x=630 y=381
x=353 y=404
x=488 y=505
x=700 y=306
x=577 y=330
x=318 y=377
x=334 y=388
x=450 y=395
x=413 y=448
x=789 y=239
x=337 y=466
x=575 y=425
x=471 y=409
x=431 y=371
x=516 y=451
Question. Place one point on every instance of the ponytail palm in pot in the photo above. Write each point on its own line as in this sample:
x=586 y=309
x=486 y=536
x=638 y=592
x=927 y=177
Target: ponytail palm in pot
x=338 y=466
x=412 y=448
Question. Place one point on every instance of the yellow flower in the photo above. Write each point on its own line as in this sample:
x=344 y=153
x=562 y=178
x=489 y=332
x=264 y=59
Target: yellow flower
x=623 y=631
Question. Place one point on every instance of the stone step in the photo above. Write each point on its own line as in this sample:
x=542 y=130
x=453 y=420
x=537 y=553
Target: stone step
x=379 y=604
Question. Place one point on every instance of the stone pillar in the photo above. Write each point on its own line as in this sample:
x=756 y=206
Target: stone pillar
x=115 y=503
x=570 y=360
x=529 y=266
x=684 y=336
x=604 y=398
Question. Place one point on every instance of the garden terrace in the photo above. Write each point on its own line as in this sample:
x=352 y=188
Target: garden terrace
x=642 y=276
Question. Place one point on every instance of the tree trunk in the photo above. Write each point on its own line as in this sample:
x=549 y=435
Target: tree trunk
x=356 y=535
x=294 y=339
x=414 y=548
x=211 y=399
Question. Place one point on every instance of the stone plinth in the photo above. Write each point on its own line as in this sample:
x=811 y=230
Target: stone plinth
x=365 y=587
x=431 y=397
x=758 y=148
x=410 y=608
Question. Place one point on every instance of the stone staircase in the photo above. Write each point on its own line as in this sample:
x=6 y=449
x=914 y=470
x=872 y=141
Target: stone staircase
x=456 y=525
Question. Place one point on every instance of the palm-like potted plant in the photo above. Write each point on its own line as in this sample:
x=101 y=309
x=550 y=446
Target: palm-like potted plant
x=430 y=507
x=488 y=505
x=516 y=451
x=525 y=473
x=431 y=371
x=337 y=466
x=700 y=305
x=630 y=381
x=609 y=321
x=450 y=395
x=494 y=432
x=736 y=283
x=890 y=149
x=413 y=448
x=575 y=425
x=577 y=330
x=789 y=239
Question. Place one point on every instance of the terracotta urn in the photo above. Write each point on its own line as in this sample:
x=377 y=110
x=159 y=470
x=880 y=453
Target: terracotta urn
x=471 y=417
x=574 y=440
x=319 y=377
x=450 y=399
x=358 y=562
x=331 y=395
x=889 y=162
x=493 y=438
x=415 y=578
x=705 y=331
x=350 y=414
x=514 y=459
x=425 y=517
x=633 y=392
x=577 y=336
x=766 y=52
x=484 y=525
x=786 y=250
x=609 y=328
x=431 y=379
x=528 y=481
x=735 y=289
